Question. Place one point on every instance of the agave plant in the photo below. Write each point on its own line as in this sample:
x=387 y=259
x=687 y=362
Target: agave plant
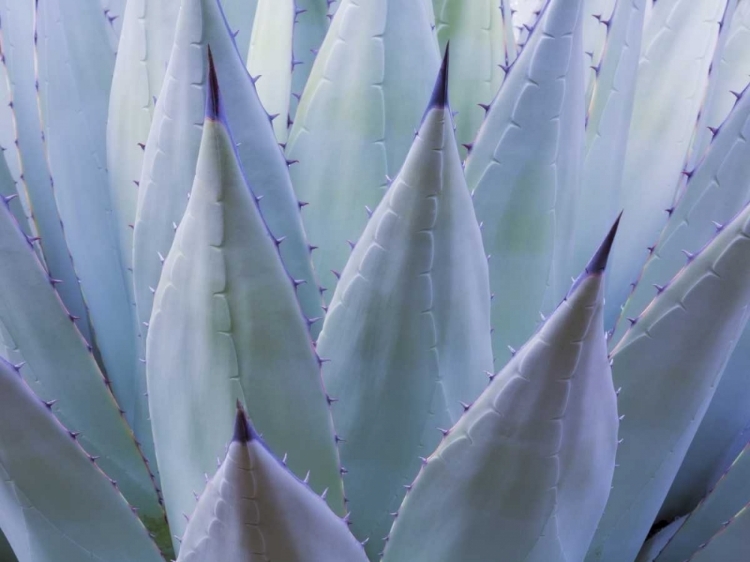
x=489 y=309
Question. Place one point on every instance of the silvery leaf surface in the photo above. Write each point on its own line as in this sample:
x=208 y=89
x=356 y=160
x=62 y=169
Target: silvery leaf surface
x=357 y=116
x=526 y=472
x=255 y=510
x=667 y=366
x=46 y=337
x=172 y=151
x=407 y=334
x=56 y=505
x=678 y=46
x=729 y=544
x=226 y=326
x=524 y=172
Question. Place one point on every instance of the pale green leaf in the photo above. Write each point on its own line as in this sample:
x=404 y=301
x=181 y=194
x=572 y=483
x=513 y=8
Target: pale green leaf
x=172 y=151
x=366 y=93
x=476 y=32
x=653 y=546
x=48 y=340
x=597 y=26
x=525 y=473
x=408 y=330
x=56 y=505
x=608 y=121
x=31 y=171
x=677 y=49
x=729 y=544
x=310 y=26
x=525 y=17
x=270 y=59
x=668 y=365
x=226 y=326
x=524 y=171
x=729 y=496
x=240 y=15
x=75 y=72
x=255 y=509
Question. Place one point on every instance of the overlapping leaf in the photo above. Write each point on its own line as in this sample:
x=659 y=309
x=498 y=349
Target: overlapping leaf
x=525 y=474
x=668 y=365
x=55 y=503
x=226 y=326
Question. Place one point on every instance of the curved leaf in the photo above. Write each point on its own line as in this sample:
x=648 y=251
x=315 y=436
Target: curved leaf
x=355 y=120
x=408 y=331
x=678 y=45
x=48 y=340
x=525 y=473
x=226 y=326
x=310 y=26
x=476 y=32
x=729 y=544
x=729 y=496
x=172 y=151
x=55 y=503
x=653 y=546
x=524 y=171
x=668 y=365
x=255 y=509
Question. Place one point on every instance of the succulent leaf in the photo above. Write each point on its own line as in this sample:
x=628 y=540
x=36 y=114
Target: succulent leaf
x=254 y=509
x=653 y=546
x=172 y=151
x=75 y=73
x=730 y=496
x=668 y=365
x=408 y=331
x=525 y=473
x=524 y=172
x=226 y=326
x=32 y=172
x=48 y=340
x=608 y=118
x=678 y=45
x=355 y=122
x=476 y=32
x=271 y=57
x=56 y=505
x=728 y=544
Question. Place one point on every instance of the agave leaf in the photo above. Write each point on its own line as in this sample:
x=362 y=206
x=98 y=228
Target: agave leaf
x=39 y=325
x=75 y=72
x=608 y=120
x=114 y=11
x=525 y=17
x=730 y=543
x=598 y=22
x=678 y=45
x=310 y=26
x=408 y=331
x=56 y=505
x=476 y=32
x=31 y=172
x=524 y=170
x=271 y=59
x=653 y=546
x=227 y=326
x=255 y=509
x=6 y=552
x=525 y=473
x=240 y=16
x=729 y=496
x=668 y=365
x=510 y=38
x=356 y=117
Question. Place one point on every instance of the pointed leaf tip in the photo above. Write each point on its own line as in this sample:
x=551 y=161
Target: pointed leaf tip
x=598 y=262
x=213 y=102
x=439 y=98
x=243 y=431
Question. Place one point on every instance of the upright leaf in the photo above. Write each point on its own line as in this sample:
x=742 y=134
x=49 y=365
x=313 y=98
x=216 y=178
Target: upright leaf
x=524 y=171
x=75 y=73
x=255 y=509
x=172 y=151
x=47 y=338
x=56 y=505
x=367 y=90
x=310 y=26
x=226 y=326
x=668 y=365
x=730 y=543
x=678 y=46
x=408 y=331
x=525 y=473
x=476 y=32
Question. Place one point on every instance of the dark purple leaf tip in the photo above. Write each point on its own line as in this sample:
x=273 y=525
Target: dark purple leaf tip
x=214 y=109
x=598 y=262
x=243 y=429
x=439 y=97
